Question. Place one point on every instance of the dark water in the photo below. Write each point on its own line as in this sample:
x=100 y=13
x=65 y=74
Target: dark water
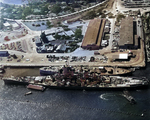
x=72 y=104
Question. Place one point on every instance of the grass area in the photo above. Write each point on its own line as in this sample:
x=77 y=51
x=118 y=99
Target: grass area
x=110 y=15
x=119 y=17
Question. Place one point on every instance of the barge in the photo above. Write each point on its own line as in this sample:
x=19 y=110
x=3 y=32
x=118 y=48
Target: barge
x=36 y=87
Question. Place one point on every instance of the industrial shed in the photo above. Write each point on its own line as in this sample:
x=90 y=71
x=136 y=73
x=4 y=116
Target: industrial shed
x=38 y=41
x=126 y=33
x=94 y=34
x=128 y=37
x=122 y=56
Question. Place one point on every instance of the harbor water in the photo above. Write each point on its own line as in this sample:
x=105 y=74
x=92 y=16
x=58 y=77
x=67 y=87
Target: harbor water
x=57 y=104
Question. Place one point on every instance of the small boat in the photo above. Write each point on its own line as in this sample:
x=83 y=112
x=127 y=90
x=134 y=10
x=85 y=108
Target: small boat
x=129 y=97
x=36 y=87
x=28 y=93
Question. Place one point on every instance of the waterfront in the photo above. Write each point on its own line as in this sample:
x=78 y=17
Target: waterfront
x=70 y=104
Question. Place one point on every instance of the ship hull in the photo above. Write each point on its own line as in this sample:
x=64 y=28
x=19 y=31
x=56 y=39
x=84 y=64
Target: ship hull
x=14 y=82
x=135 y=87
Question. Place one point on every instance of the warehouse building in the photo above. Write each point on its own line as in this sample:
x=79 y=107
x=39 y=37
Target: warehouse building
x=94 y=34
x=128 y=37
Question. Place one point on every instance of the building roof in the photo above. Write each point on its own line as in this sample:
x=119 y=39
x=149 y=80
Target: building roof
x=136 y=37
x=98 y=42
x=37 y=39
x=94 y=32
x=50 y=38
x=69 y=33
x=126 y=31
x=14 y=25
x=6 y=24
x=121 y=56
x=61 y=47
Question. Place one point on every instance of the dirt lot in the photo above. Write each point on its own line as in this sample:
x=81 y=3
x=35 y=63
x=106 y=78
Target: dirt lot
x=21 y=72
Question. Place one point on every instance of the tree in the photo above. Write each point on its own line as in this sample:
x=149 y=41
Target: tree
x=78 y=33
x=1 y=25
x=9 y=10
x=67 y=8
x=1 y=22
x=90 y=15
x=56 y=9
x=48 y=23
x=100 y=10
x=56 y=36
x=119 y=17
x=44 y=10
x=27 y=11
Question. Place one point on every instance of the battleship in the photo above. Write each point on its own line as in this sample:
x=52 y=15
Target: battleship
x=68 y=78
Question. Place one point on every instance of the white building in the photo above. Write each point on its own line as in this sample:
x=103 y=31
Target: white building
x=50 y=38
x=7 y=25
x=15 y=26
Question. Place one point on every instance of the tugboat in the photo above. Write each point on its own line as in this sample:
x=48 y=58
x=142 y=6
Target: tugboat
x=129 y=97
